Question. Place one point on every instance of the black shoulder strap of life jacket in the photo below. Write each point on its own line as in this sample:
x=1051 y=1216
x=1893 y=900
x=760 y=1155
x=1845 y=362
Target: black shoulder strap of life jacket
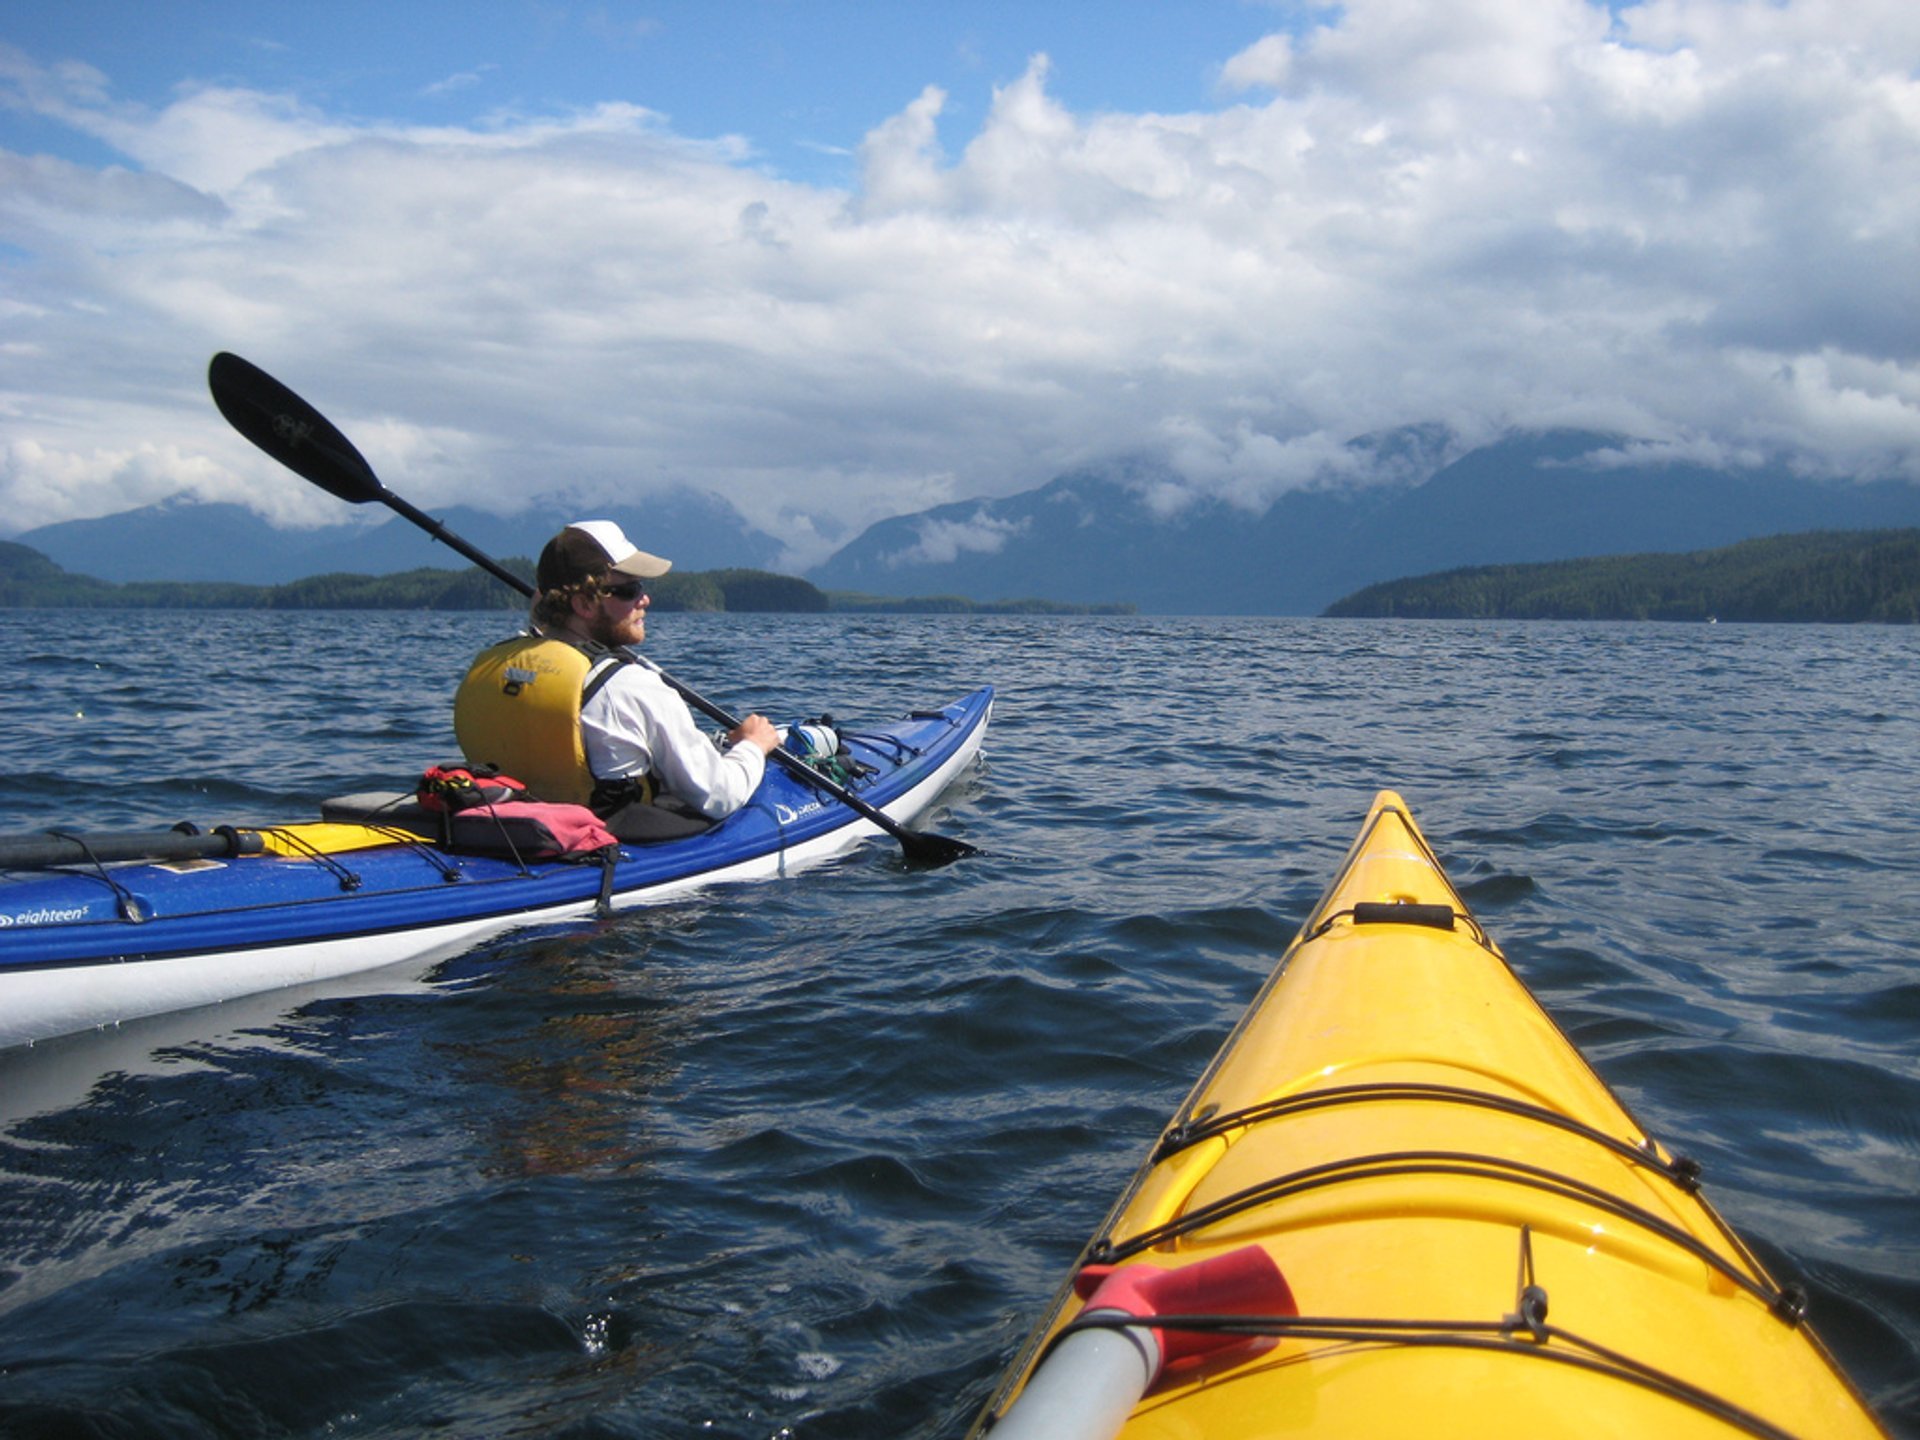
x=606 y=665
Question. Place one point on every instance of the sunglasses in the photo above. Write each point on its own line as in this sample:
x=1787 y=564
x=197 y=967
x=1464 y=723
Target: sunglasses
x=629 y=590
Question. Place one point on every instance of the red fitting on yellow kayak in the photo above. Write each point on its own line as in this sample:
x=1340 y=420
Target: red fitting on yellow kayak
x=1241 y=1282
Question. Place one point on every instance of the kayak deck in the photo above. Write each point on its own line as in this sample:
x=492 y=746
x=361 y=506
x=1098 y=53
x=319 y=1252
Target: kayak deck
x=1475 y=1237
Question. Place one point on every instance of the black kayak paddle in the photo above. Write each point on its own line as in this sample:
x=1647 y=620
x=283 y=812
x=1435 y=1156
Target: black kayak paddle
x=309 y=444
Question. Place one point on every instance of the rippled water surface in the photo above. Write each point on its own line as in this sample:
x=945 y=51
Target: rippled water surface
x=807 y=1158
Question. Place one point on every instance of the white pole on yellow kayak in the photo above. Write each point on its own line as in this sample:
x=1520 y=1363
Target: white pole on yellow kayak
x=1086 y=1386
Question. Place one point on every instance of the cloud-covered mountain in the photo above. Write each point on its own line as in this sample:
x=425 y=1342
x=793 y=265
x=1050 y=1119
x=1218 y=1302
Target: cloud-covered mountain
x=1133 y=532
x=183 y=539
x=1097 y=536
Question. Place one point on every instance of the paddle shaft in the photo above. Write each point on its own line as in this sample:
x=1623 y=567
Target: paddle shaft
x=56 y=847
x=446 y=537
x=289 y=429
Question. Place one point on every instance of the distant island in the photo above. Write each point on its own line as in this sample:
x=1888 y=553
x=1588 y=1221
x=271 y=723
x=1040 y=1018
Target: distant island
x=1823 y=576
x=29 y=580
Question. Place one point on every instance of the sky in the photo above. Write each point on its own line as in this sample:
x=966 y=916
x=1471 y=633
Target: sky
x=836 y=261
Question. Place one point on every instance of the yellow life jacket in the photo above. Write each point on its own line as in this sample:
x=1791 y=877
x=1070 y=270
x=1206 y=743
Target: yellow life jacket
x=519 y=711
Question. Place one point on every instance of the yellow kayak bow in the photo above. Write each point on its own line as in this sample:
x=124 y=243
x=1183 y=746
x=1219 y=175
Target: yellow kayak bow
x=1401 y=1203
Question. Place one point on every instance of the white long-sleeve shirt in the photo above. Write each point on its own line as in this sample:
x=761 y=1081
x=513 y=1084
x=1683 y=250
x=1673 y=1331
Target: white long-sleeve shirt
x=637 y=725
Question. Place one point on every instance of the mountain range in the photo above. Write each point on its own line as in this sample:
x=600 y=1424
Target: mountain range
x=1094 y=537
x=1099 y=536
x=183 y=539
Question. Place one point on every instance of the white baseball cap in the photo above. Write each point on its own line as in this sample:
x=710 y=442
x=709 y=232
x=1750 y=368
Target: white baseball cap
x=588 y=548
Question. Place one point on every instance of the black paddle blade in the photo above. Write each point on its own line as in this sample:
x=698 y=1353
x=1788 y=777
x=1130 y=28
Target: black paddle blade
x=932 y=851
x=290 y=430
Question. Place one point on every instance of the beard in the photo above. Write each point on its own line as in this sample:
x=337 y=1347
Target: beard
x=612 y=631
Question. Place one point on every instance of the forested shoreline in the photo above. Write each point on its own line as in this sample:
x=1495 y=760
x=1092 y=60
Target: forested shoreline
x=29 y=580
x=1821 y=576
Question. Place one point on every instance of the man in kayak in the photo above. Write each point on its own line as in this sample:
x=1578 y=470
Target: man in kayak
x=562 y=710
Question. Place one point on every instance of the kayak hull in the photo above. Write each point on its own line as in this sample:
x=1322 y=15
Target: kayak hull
x=1469 y=1233
x=86 y=946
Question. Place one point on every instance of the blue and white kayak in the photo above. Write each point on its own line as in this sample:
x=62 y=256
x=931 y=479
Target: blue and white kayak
x=94 y=943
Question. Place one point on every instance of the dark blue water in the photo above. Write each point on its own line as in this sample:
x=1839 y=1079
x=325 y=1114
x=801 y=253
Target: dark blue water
x=806 y=1158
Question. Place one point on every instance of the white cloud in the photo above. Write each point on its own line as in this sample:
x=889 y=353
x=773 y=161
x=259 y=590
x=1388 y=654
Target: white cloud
x=1697 y=221
x=46 y=485
x=900 y=160
x=941 y=542
x=453 y=84
x=1266 y=64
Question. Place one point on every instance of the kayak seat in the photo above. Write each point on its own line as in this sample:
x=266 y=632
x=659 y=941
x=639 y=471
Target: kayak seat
x=648 y=822
x=398 y=808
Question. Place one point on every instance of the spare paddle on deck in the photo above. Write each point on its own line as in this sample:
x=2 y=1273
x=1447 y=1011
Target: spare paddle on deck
x=61 y=847
x=307 y=443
